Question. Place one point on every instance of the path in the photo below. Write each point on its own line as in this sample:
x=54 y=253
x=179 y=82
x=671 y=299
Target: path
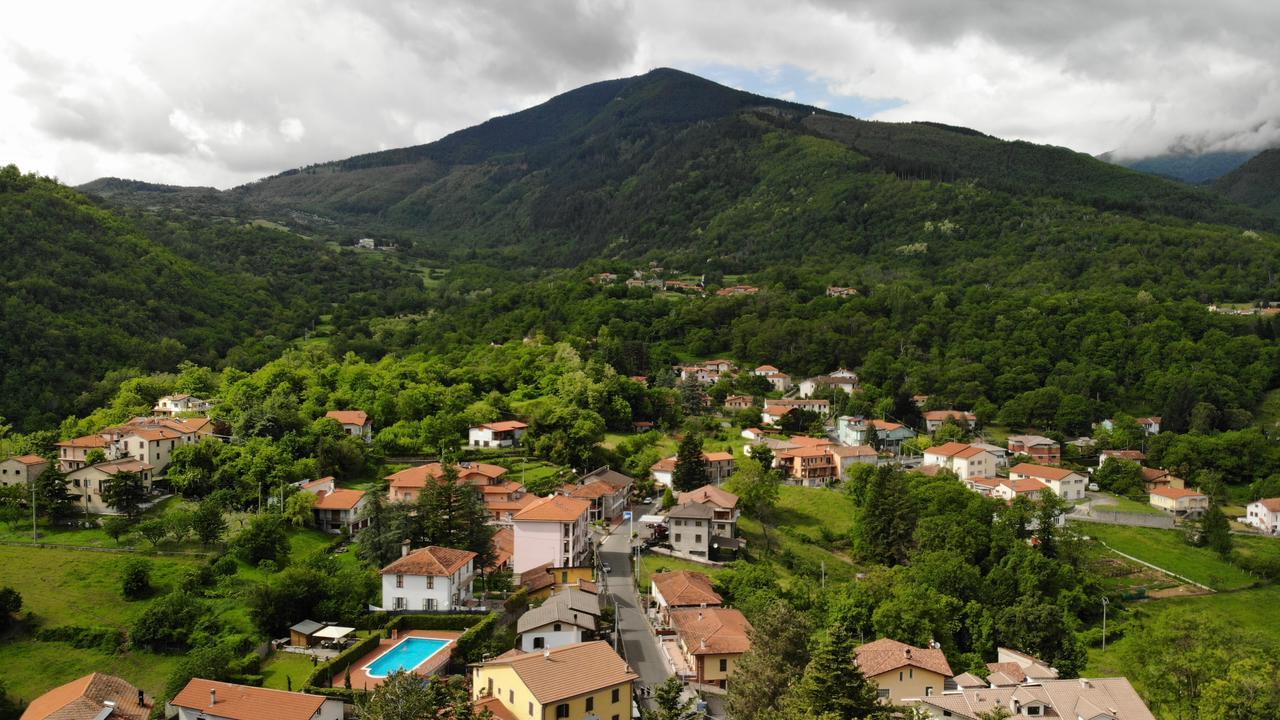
x=640 y=647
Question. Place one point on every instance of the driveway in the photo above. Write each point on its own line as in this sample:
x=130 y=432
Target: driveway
x=640 y=647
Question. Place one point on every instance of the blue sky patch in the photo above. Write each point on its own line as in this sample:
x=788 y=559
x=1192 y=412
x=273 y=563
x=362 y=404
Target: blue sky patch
x=789 y=82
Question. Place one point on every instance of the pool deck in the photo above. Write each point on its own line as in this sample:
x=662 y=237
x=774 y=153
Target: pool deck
x=360 y=680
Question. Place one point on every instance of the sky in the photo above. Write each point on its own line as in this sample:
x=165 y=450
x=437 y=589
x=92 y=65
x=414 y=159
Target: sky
x=221 y=93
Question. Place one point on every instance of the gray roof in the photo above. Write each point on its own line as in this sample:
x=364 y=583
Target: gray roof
x=307 y=627
x=560 y=608
x=612 y=477
x=692 y=510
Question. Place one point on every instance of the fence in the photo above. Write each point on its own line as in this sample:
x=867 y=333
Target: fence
x=1116 y=517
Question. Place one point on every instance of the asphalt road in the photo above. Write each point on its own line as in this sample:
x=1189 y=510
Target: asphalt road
x=642 y=650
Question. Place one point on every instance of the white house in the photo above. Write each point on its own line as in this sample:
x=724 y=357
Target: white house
x=845 y=380
x=1066 y=484
x=1150 y=425
x=568 y=616
x=178 y=404
x=335 y=508
x=552 y=530
x=150 y=445
x=85 y=484
x=430 y=578
x=497 y=434
x=1264 y=515
x=355 y=423
x=211 y=700
x=719 y=466
x=964 y=460
x=1009 y=488
x=934 y=419
x=22 y=469
x=1182 y=502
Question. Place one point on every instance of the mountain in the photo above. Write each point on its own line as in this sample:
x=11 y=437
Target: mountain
x=579 y=175
x=1193 y=168
x=1256 y=183
x=88 y=292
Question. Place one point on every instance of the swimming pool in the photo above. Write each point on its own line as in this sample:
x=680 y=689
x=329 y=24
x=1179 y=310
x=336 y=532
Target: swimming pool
x=408 y=654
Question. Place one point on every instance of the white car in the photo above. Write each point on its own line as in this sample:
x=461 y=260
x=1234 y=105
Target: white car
x=1093 y=487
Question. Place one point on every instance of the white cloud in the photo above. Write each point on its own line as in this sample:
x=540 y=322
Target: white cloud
x=220 y=93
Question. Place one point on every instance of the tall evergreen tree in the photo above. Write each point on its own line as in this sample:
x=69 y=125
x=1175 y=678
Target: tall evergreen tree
x=52 y=498
x=1216 y=530
x=833 y=687
x=885 y=520
x=691 y=467
x=764 y=674
x=378 y=544
x=125 y=493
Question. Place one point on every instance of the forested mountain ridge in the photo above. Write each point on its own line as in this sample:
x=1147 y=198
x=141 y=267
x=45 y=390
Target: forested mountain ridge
x=561 y=182
x=88 y=293
x=1255 y=183
x=1190 y=167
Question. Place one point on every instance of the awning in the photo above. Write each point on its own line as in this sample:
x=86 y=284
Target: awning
x=334 y=632
x=652 y=519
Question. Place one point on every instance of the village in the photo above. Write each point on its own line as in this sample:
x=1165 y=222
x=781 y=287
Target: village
x=612 y=593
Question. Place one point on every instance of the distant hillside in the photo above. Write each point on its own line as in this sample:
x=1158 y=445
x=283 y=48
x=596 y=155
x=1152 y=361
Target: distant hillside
x=86 y=291
x=1193 y=168
x=580 y=174
x=1256 y=183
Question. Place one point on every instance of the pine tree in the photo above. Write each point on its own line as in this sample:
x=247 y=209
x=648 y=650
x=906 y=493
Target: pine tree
x=1216 y=531
x=885 y=521
x=125 y=493
x=762 y=675
x=691 y=467
x=376 y=545
x=832 y=685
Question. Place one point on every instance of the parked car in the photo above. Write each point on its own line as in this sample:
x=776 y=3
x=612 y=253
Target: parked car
x=1093 y=487
x=606 y=567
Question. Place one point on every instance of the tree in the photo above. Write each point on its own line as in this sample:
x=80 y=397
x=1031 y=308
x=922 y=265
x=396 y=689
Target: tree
x=1250 y=689
x=10 y=604
x=264 y=539
x=757 y=489
x=691 y=468
x=763 y=675
x=125 y=493
x=668 y=498
x=1215 y=531
x=1049 y=511
x=832 y=685
x=1123 y=477
x=297 y=509
x=116 y=527
x=52 y=496
x=669 y=703
x=169 y=622
x=885 y=520
x=405 y=696
x=179 y=523
x=135 y=579
x=10 y=708
x=95 y=456
x=154 y=530
x=1175 y=655
x=208 y=522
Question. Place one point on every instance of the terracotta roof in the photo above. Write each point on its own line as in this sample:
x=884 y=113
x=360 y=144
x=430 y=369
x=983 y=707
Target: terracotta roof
x=885 y=654
x=1031 y=440
x=1011 y=670
x=685 y=587
x=556 y=508
x=712 y=631
x=417 y=476
x=84 y=699
x=969 y=680
x=955 y=449
x=538 y=578
x=432 y=560
x=504 y=545
x=1153 y=420
x=717 y=456
x=242 y=702
x=692 y=510
x=1024 y=485
x=667 y=464
x=339 y=499
x=886 y=425
x=591 y=490
x=767 y=368
x=1134 y=455
x=151 y=434
x=710 y=494
x=804 y=452
x=1271 y=504
x=1153 y=474
x=941 y=415
x=1041 y=471
x=776 y=410
x=111 y=467
x=1174 y=493
x=806 y=441
x=505 y=425
x=852 y=450
x=318 y=482
x=29 y=459
x=567 y=671
x=88 y=441
x=349 y=417
x=495 y=708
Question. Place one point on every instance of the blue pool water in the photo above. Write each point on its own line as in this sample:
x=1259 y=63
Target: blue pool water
x=407 y=654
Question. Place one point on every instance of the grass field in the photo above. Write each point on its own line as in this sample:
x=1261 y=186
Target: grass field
x=810 y=524
x=95 y=536
x=1167 y=549
x=1117 y=503
x=281 y=667
x=32 y=668
x=649 y=564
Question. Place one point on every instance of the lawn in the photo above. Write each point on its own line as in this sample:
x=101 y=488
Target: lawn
x=33 y=668
x=1117 y=503
x=1168 y=550
x=531 y=470
x=96 y=536
x=811 y=525
x=281 y=667
x=649 y=564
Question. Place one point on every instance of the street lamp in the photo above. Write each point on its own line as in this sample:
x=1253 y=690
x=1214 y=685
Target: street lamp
x=1105 y=602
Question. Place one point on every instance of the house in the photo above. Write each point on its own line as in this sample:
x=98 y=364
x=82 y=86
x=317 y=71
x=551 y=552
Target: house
x=1131 y=455
x=1001 y=454
x=683 y=286
x=604 y=278
x=681 y=589
x=1080 y=699
x=1066 y=484
x=1039 y=449
x=540 y=582
x=1015 y=668
x=690 y=529
x=711 y=641
x=842 y=292
x=780 y=381
x=814 y=405
x=934 y=419
x=503 y=434
x=843 y=380
x=1153 y=478
x=1009 y=488
x=211 y=700
x=725 y=504
x=962 y=459
x=22 y=469
x=429 y=578
x=765 y=371
x=809 y=466
x=367 y=244
x=503 y=498
x=772 y=414
x=579 y=681
x=1180 y=501
x=179 y=404
x=1149 y=425
x=355 y=423
x=73 y=454
x=569 y=616
x=889 y=435
x=846 y=457
x=737 y=290
x=595 y=492
x=85 y=485
x=151 y=445
x=335 y=508
x=552 y=530
x=642 y=426
x=719 y=466
x=611 y=505
x=504 y=547
x=95 y=696
x=902 y=671
x=1264 y=515
x=738 y=402
x=753 y=434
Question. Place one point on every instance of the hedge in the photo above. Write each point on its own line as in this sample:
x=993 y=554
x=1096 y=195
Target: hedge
x=106 y=639
x=518 y=602
x=468 y=645
x=455 y=621
x=324 y=674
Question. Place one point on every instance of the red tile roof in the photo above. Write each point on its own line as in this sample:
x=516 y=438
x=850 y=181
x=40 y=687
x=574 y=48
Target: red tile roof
x=339 y=499
x=885 y=654
x=1271 y=504
x=29 y=459
x=349 y=417
x=84 y=698
x=567 y=671
x=242 y=702
x=712 y=631
x=433 y=560
x=556 y=508
x=88 y=441
x=506 y=425
x=1041 y=471
x=589 y=491
x=1174 y=493
x=685 y=587
x=709 y=494
x=416 y=477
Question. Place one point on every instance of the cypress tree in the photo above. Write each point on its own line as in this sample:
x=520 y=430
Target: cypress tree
x=691 y=468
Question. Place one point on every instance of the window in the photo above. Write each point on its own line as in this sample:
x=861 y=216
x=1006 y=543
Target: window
x=911 y=672
x=398 y=603
x=928 y=690
x=697 y=538
x=614 y=696
x=556 y=627
x=562 y=710
x=882 y=693
x=511 y=697
x=431 y=583
x=591 y=704
x=1032 y=710
x=491 y=687
x=677 y=537
x=431 y=603
x=539 y=643
x=724 y=665
x=564 y=574
x=399 y=581
x=899 y=676
x=530 y=709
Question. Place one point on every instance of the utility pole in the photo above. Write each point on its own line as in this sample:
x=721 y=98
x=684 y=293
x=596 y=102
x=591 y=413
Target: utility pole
x=35 y=535
x=1105 y=602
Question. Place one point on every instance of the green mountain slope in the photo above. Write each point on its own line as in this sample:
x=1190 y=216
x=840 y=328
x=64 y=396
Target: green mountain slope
x=86 y=292
x=1194 y=168
x=1256 y=183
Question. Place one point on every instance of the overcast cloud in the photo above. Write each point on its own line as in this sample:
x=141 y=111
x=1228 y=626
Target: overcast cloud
x=221 y=93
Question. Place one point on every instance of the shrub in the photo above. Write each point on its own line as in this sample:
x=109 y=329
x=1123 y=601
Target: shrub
x=106 y=639
x=169 y=622
x=135 y=579
x=225 y=566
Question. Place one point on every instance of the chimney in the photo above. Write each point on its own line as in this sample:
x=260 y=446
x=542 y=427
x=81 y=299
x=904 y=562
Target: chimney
x=213 y=696
x=546 y=654
x=907 y=652
x=142 y=699
x=404 y=548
